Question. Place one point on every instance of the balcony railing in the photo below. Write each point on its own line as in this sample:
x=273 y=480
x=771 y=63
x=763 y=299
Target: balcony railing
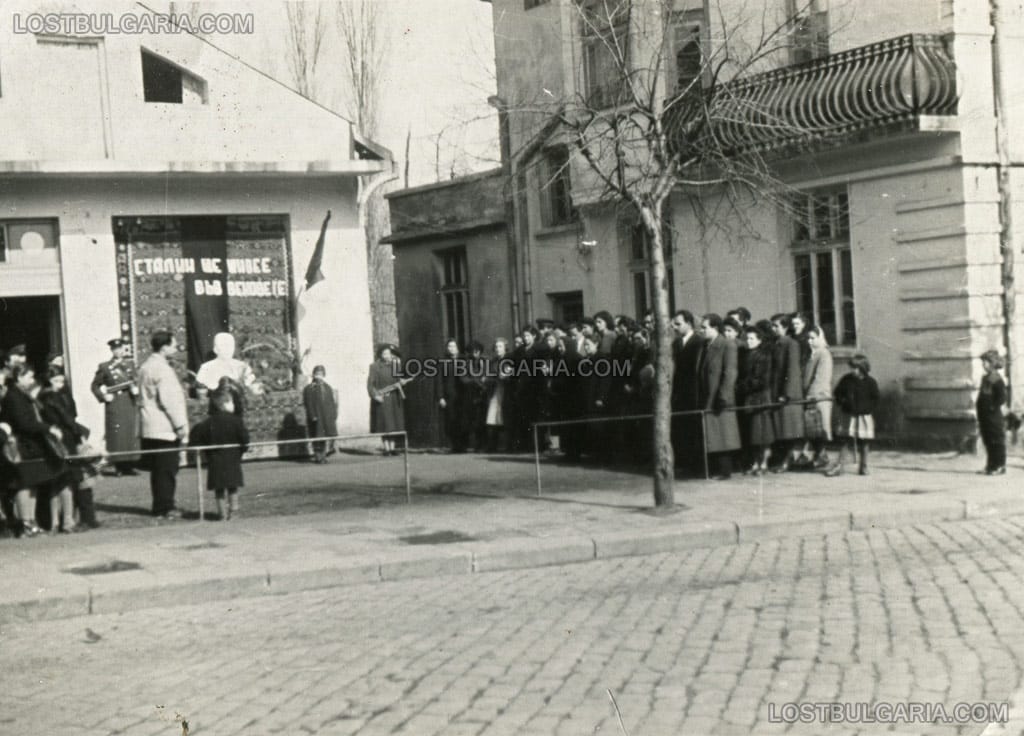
x=889 y=84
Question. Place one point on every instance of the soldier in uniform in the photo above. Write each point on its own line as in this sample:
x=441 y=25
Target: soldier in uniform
x=114 y=385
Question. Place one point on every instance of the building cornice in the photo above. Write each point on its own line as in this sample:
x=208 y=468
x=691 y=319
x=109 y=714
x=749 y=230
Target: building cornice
x=106 y=168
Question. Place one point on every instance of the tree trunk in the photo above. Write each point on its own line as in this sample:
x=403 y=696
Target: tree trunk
x=664 y=458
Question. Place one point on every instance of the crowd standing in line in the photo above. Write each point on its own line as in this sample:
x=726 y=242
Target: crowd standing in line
x=754 y=394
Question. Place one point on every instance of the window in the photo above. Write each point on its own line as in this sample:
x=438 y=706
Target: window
x=163 y=81
x=687 y=54
x=809 y=34
x=455 y=295
x=25 y=239
x=605 y=34
x=530 y=4
x=556 y=188
x=567 y=307
x=824 y=264
x=640 y=263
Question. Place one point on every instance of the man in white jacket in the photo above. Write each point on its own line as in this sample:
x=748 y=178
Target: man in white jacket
x=164 y=421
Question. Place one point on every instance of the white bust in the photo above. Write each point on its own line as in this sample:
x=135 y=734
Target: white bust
x=225 y=364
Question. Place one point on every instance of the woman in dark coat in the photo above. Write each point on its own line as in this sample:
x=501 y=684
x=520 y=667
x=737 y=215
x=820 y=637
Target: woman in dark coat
x=59 y=410
x=38 y=465
x=788 y=387
x=718 y=396
x=387 y=410
x=757 y=391
x=321 y=403
x=223 y=466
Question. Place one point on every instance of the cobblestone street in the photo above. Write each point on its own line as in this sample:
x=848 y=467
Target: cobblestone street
x=695 y=643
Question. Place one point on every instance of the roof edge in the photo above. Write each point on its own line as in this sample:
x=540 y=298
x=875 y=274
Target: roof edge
x=477 y=176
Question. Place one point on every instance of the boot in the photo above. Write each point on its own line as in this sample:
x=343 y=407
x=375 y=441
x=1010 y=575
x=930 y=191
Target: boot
x=86 y=508
x=863 y=469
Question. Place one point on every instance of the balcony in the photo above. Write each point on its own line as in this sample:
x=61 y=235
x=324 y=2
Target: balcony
x=887 y=86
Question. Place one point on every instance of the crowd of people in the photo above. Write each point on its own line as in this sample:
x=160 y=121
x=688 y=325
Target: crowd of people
x=754 y=395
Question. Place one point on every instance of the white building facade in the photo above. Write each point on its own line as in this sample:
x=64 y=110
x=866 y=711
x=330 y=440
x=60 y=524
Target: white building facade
x=151 y=180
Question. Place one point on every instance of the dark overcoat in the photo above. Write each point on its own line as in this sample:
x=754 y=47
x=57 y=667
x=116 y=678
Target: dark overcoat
x=38 y=465
x=788 y=380
x=387 y=415
x=991 y=397
x=122 y=414
x=718 y=394
x=224 y=466
x=321 y=409
x=757 y=391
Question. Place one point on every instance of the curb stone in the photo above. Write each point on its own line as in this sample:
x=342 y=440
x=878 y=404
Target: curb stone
x=466 y=559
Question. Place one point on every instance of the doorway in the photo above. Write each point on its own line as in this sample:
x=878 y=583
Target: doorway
x=35 y=322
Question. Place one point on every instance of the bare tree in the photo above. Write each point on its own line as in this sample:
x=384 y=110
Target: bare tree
x=659 y=112
x=362 y=27
x=365 y=45
x=307 y=26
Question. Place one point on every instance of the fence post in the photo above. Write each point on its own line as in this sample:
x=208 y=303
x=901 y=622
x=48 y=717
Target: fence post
x=536 y=458
x=704 y=442
x=405 y=457
x=199 y=485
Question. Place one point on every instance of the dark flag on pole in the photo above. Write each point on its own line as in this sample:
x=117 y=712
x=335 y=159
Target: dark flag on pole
x=313 y=273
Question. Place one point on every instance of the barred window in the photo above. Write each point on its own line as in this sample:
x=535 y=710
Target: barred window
x=808 y=30
x=687 y=53
x=823 y=263
x=455 y=294
x=640 y=262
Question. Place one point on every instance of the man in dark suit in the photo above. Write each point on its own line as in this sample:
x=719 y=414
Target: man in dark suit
x=687 y=433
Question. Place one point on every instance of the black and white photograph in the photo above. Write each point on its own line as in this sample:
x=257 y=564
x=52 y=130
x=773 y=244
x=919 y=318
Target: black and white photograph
x=511 y=367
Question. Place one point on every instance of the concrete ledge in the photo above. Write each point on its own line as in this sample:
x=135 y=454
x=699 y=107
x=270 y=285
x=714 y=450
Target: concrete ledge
x=889 y=518
x=179 y=594
x=1009 y=506
x=630 y=544
x=533 y=553
x=425 y=566
x=346 y=572
x=811 y=527
x=45 y=609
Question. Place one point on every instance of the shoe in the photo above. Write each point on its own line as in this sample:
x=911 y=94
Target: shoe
x=863 y=471
x=821 y=463
x=997 y=471
x=172 y=515
x=781 y=468
x=834 y=471
x=30 y=530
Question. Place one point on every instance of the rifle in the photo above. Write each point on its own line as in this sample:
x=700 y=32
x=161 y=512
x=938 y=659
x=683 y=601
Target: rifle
x=396 y=386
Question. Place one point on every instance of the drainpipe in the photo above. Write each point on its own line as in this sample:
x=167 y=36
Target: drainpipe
x=1003 y=164
x=513 y=231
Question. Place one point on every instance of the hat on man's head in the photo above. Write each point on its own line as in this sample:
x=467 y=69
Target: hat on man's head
x=55 y=360
x=116 y=343
x=18 y=349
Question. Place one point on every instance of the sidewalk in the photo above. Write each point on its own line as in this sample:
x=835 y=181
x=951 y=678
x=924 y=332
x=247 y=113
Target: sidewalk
x=469 y=514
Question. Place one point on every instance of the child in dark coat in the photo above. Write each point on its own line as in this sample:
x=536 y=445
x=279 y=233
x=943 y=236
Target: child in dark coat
x=989 y=409
x=223 y=466
x=857 y=396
